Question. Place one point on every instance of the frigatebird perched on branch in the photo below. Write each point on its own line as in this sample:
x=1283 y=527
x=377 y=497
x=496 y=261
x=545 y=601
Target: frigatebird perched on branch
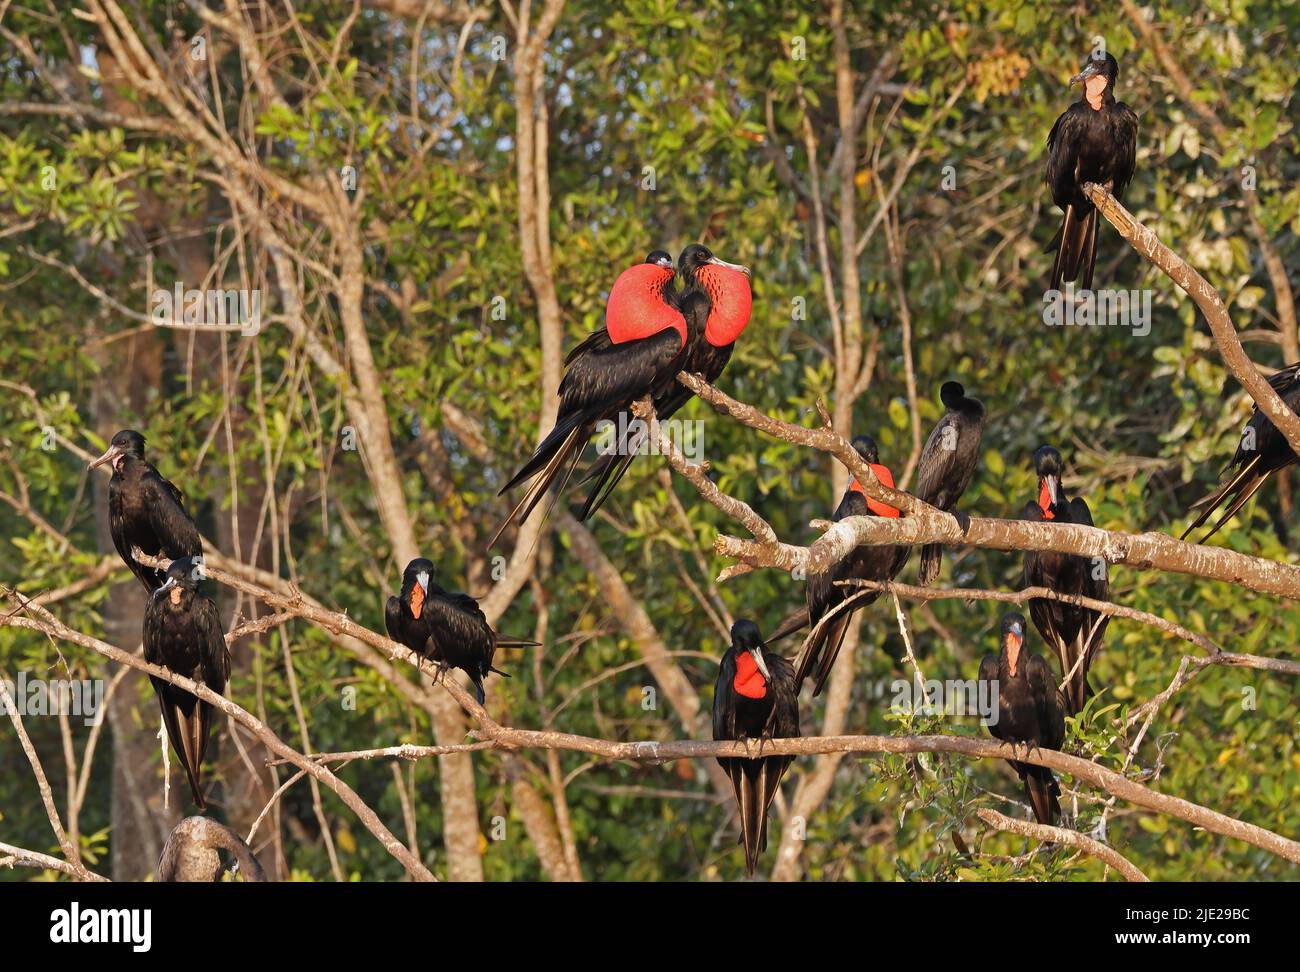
x=755 y=698
x=182 y=632
x=1029 y=711
x=716 y=302
x=444 y=626
x=1262 y=451
x=1094 y=140
x=145 y=510
x=640 y=346
x=947 y=463
x=824 y=592
x=1075 y=633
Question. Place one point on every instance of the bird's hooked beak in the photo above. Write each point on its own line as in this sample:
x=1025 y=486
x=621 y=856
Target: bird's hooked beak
x=757 y=653
x=170 y=585
x=730 y=266
x=1015 y=639
x=665 y=262
x=110 y=456
x=1091 y=71
x=1053 y=484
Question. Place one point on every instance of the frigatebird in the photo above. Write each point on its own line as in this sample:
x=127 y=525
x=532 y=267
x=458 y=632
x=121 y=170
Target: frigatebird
x=640 y=345
x=192 y=853
x=1029 y=711
x=145 y=510
x=1073 y=632
x=755 y=698
x=444 y=626
x=947 y=463
x=182 y=632
x=1094 y=140
x=716 y=302
x=1262 y=451
x=825 y=592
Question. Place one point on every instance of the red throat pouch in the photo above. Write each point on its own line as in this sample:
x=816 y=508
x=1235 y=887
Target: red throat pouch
x=1045 y=502
x=732 y=302
x=886 y=479
x=749 y=681
x=636 y=307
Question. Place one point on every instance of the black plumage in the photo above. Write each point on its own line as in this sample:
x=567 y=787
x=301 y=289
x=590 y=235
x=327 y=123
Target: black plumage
x=1262 y=451
x=1094 y=140
x=602 y=379
x=145 y=510
x=825 y=592
x=947 y=463
x=1029 y=711
x=699 y=356
x=182 y=632
x=1073 y=632
x=755 y=698
x=444 y=626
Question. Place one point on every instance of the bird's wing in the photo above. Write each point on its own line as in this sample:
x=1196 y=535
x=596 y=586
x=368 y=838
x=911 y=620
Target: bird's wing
x=215 y=654
x=176 y=532
x=724 y=698
x=152 y=579
x=936 y=460
x=853 y=504
x=1051 y=716
x=455 y=617
x=1127 y=162
x=989 y=674
x=1063 y=154
x=393 y=619
x=617 y=375
x=597 y=340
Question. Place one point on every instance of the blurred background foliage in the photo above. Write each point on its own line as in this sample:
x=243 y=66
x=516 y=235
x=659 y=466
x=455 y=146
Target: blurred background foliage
x=708 y=95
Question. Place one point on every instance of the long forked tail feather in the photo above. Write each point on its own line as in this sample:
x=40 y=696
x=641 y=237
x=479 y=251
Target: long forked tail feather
x=1076 y=247
x=1212 y=501
x=566 y=450
x=927 y=568
x=1041 y=788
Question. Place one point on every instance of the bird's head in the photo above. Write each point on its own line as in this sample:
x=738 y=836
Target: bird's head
x=697 y=257
x=415 y=584
x=126 y=443
x=183 y=576
x=745 y=637
x=865 y=446
x=1048 y=465
x=1097 y=77
x=1013 y=639
x=952 y=394
x=660 y=258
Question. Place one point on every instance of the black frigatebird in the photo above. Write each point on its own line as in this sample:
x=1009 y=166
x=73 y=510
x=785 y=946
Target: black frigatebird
x=1262 y=451
x=1073 y=632
x=1029 y=711
x=755 y=698
x=716 y=302
x=182 y=632
x=824 y=592
x=947 y=463
x=145 y=510
x=640 y=345
x=444 y=626
x=1094 y=140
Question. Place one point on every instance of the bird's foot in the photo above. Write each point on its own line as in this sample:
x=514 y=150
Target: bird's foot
x=963 y=521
